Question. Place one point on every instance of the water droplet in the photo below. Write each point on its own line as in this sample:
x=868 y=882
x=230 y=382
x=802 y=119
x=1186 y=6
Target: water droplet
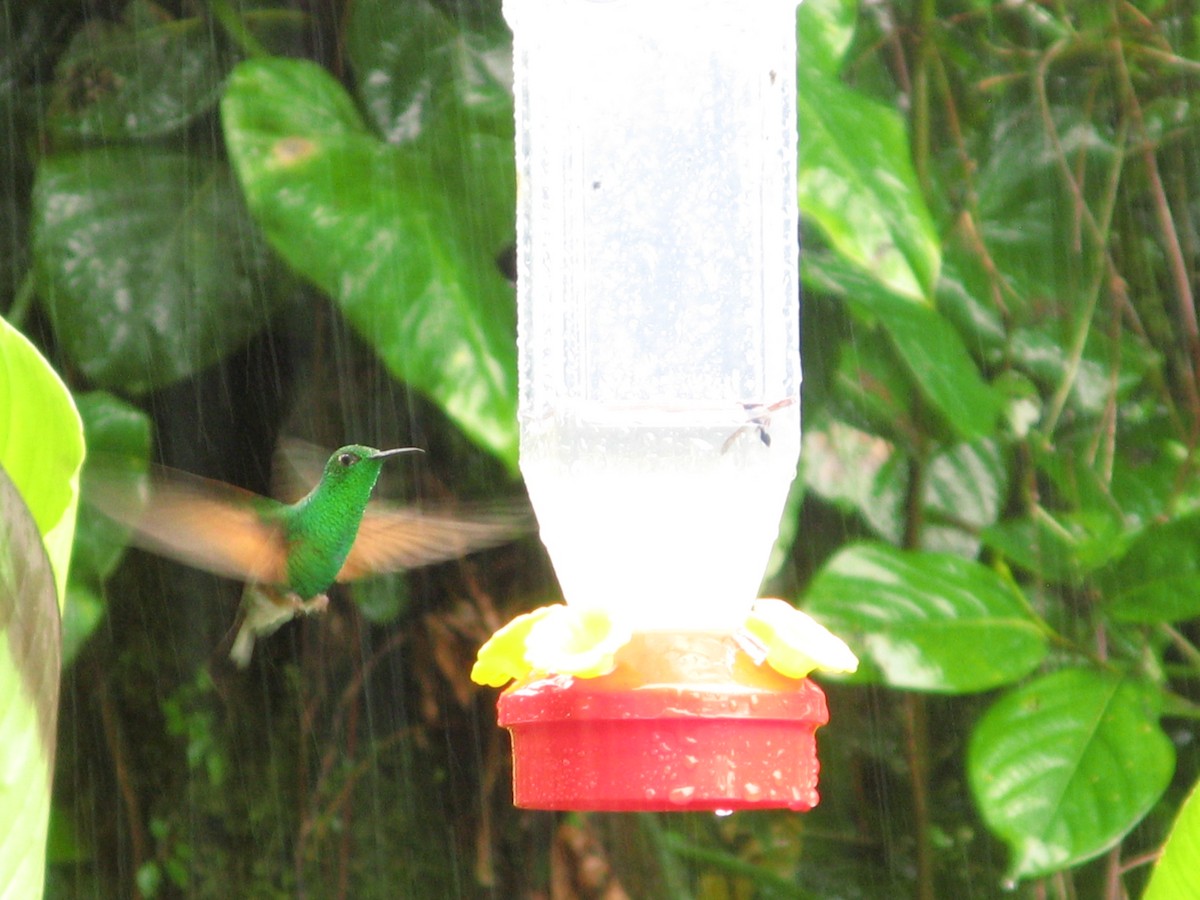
x=722 y=813
x=751 y=790
x=691 y=760
x=681 y=795
x=651 y=793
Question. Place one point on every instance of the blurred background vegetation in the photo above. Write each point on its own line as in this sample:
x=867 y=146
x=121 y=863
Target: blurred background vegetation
x=227 y=221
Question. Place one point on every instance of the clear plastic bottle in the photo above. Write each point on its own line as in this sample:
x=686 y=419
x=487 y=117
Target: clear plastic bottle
x=658 y=297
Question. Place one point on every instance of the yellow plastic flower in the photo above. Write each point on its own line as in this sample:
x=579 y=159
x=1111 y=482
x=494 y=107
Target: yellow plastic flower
x=502 y=658
x=575 y=641
x=795 y=642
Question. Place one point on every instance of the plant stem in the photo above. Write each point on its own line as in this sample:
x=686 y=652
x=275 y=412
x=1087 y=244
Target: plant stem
x=920 y=95
x=1184 y=297
x=916 y=718
x=233 y=25
x=916 y=726
x=22 y=300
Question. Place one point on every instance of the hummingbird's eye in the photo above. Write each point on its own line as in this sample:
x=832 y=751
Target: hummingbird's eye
x=347 y=459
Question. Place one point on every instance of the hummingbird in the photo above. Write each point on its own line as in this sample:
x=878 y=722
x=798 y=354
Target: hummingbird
x=290 y=554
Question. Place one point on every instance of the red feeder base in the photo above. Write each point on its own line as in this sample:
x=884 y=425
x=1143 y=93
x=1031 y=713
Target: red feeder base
x=684 y=722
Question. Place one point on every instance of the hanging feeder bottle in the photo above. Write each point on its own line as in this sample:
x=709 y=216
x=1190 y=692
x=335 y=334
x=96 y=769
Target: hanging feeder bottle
x=658 y=320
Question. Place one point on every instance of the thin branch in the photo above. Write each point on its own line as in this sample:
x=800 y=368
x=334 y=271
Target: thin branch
x=235 y=28
x=970 y=216
x=138 y=837
x=1190 y=66
x=1186 y=648
x=1184 y=296
x=22 y=300
x=926 y=20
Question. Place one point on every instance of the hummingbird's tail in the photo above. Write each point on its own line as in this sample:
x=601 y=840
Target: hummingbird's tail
x=243 y=646
x=264 y=611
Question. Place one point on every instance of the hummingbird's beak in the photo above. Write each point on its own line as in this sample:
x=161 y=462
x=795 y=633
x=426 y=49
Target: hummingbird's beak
x=385 y=453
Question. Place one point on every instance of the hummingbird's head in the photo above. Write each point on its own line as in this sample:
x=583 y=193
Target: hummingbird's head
x=348 y=461
x=350 y=474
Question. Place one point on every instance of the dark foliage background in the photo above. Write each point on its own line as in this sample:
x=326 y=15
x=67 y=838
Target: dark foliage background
x=228 y=221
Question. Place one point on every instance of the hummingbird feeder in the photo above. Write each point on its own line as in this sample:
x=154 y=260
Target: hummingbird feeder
x=659 y=346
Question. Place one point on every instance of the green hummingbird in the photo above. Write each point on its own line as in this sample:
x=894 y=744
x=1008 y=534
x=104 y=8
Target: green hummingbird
x=289 y=554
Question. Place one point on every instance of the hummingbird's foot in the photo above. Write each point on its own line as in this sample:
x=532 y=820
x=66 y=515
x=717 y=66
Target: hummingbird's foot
x=265 y=610
x=317 y=604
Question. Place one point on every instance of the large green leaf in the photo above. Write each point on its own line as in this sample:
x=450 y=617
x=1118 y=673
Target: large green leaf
x=1061 y=550
x=1065 y=766
x=29 y=679
x=934 y=355
x=41 y=451
x=41 y=444
x=941 y=367
x=926 y=621
x=964 y=484
x=857 y=185
x=1158 y=578
x=964 y=487
x=148 y=264
x=824 y=29
x=872 y=390
x=1176 y=875
x=144 y=76
x=443 y=83
x=374 y=227
x=418 y=67
x=839 y=462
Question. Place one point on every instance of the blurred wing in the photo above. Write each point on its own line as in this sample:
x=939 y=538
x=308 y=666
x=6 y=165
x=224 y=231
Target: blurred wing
x=392 y=538
x=296 y=467
x=206 y=524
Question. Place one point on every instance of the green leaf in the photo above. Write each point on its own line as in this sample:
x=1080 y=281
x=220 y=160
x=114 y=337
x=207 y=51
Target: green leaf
x=824 y=30
x=29 y=681
x=934 y=355
x=1044 y=355
x=944 y=372
x=974 y=314
x=1026 y=209
x=1065 y=766
x=964 y=487
x=148 y=264
x=41 y=444
x=41 y=450
x=1158 y=578
x=964 y=484
x=374 y=227
x=857 y=185
x=1036 y=547
x=117 y=434
x=872 y=389
x=147 y=75
x=418 y=67
x=839 y=462
x=1176 y=875
x=82 y=615
x=926 y=621
x=443 y=83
